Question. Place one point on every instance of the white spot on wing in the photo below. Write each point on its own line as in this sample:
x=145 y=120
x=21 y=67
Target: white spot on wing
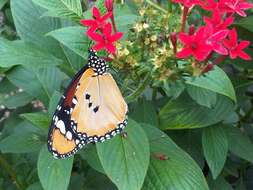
x=60 y=125
x=69 y=135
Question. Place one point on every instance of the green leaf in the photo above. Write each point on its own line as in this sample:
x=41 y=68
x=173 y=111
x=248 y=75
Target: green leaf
x=38 y=82
x=216 y=81
x=124 y=18
x=202 y=96
x=184 y=113
x=20 y=143
x=32 y=28
x=125 y=159
x=90 y=154
x=2 y=3
x=40 y=120
x=170 y=167
x=17 y=100
x=219 y=184
x=53 y=102
x=53 y=174
x=246 y=22
x=144 y=112
x=72 y=37
x=173 y=89
x=239 y=143
x=62 y=8
x=20 y=53
x=215 y=147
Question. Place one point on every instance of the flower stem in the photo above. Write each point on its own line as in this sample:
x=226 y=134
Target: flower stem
x=184 y=16
x=156 y=6
x=113 y=23
x=219 y=59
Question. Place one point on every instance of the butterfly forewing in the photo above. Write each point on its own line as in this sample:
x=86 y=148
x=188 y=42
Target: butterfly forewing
x=100 y=112
x=92 y=109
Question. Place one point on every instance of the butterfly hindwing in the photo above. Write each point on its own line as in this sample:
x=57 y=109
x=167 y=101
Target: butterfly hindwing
x=62 y=140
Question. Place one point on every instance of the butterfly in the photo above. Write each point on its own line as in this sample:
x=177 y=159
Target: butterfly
x=92 y=109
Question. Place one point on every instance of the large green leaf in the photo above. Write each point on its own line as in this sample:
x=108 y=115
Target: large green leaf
x=215 y=147
x=61 y=8
x=38 y=82
x=125 y=159
x=32 y=27
x=2 y=3
x=89 y=153
x=239 y=143
x=216 y=81
x=53 y=174
x=20 y=143
x=219 y=184
x=170 y=167
x=124 y=18
x=55 y=98
x=41 y=120
x=185 y=113
x=202 y=96
x=72 y=37
x=17 y=100
x=28 y=54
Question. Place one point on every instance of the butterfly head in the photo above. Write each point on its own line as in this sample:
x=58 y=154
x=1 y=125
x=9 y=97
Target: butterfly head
x=98 y=65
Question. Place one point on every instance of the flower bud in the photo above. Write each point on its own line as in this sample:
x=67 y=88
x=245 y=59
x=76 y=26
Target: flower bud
x=191 y=30
x=173 y=38
x=109 y=5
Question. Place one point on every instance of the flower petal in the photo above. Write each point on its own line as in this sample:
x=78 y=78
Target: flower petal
x=185 y=52
x=89 y=22
x=244 y=55
x=218 y=48
x=106 y=16
x=95 y=36
x=96 y=12
x=110 y=48
x=245 y=5
x=116 y=36
x=107 y=30
x=98 y=46
x=243 y=44
x=184 y=38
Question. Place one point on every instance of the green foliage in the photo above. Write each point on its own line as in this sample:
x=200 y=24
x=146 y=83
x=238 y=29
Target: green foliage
x=186 y=130
x=53 y=174
x=129 y=158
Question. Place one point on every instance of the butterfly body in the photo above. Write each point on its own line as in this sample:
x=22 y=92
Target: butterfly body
x=92 y=109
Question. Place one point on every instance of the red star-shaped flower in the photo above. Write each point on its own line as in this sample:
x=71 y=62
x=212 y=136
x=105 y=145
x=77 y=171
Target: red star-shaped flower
x=235 y=6
x=98 y=22
x=217 y=22
x=106 y=39
x=195 y=45
x=215 y=38
x=235 y=48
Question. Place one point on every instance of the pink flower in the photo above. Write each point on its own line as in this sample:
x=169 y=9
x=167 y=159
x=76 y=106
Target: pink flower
x=235 y=48
x=217 y=22
x=235 y=6
x=98 y=22
x=215 y=38
x=194 y=45
x=105 y=40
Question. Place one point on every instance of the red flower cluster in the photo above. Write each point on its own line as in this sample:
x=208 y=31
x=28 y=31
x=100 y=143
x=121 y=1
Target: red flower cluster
x=215 y=36
x=100 y=30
